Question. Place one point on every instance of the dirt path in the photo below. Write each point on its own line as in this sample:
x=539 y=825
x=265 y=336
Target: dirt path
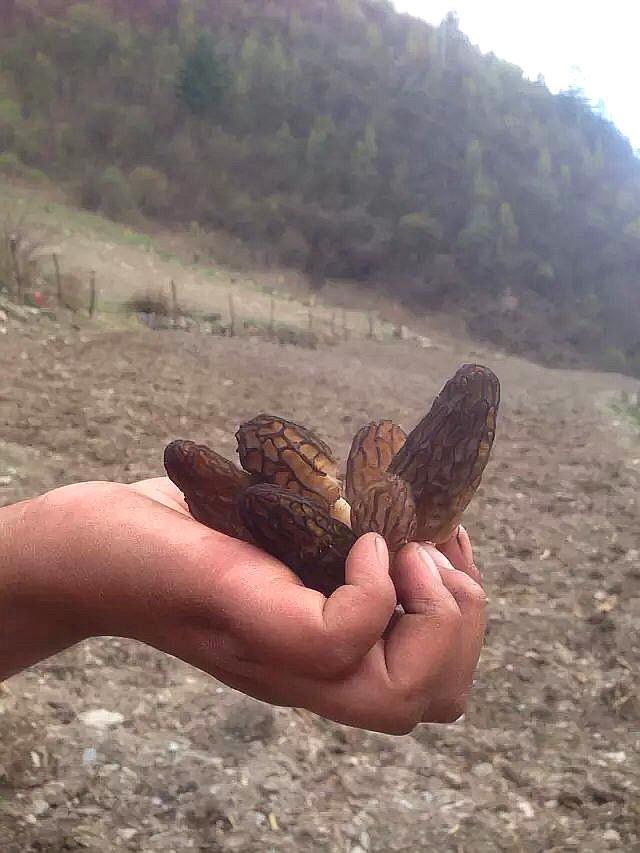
x=545 y=760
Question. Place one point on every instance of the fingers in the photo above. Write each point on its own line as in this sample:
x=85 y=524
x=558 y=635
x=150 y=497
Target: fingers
x=460 y=554
x=417 y=647
x=449 y=704
x=266 y=604
x=356 y=615
x=283 y=622
x=303 y=645
x=432 y=652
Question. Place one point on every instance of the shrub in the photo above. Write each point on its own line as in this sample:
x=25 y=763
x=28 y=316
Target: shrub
x=10 y=121
x=109 y=192
x=294 y=248
x=418 y=233
x=614 y=360
x=13 y=167
x=149 y=188
x=10 y=164
x=115 y=194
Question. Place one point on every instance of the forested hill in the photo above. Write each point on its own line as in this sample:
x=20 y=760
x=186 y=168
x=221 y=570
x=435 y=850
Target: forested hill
x=345 y=139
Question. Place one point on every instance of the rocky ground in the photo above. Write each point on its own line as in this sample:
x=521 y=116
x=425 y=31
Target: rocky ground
x=113 y=746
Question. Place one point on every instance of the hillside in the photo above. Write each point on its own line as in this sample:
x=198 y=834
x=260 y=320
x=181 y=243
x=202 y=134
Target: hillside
x=344 y=139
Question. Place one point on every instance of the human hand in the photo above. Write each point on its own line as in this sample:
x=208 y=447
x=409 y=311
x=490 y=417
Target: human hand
x=135 y=564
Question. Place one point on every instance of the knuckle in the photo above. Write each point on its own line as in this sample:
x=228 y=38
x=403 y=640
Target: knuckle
x=474 y=595
x=382 y=595
x=337 y=661
x=404 y=709
x=449 y=612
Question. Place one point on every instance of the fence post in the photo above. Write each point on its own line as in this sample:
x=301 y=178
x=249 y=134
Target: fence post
x=13 y=246
x=92 y=295
x=372 y=322
x=272 y=315
x=174 y=302
x=232 y=315
x=56 y=265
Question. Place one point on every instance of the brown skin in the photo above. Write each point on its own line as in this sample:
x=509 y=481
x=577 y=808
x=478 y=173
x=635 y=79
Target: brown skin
x=107 y=559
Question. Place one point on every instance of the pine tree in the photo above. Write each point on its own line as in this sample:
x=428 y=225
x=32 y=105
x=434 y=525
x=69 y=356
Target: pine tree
x=201 y=79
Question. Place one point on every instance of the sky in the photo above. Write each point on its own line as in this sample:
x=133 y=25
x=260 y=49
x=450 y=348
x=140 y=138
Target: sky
x=592 y=45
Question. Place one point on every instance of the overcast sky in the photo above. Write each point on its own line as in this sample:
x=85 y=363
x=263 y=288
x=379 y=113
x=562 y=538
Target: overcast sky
x=593 y=45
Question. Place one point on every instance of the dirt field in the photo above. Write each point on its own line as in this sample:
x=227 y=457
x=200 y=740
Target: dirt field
x=545 y=760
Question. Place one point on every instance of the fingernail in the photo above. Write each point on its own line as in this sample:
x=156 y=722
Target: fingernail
x=465 y=545
x=382 y=551
x=429 y=563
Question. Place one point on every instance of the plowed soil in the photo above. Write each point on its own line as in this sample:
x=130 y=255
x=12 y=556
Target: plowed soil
x=546 y=758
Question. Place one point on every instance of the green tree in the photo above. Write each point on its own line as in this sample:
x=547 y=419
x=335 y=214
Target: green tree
x=10 y=121
x=116 y=199
x=320 y=147
x=544 y=163
x=477 y=242
x=201 y=80
x=418 y=235
x=473 y=157
x=507 y=232
x=363 y=161
x=418 y=44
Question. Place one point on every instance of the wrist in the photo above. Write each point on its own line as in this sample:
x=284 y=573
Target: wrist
x=73 y=560
x=116 y=561
x=38 y=612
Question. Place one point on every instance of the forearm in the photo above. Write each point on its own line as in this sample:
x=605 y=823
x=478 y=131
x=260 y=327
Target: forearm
x=38 y=615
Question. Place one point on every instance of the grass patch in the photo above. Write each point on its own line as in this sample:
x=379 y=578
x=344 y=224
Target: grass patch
x=628 y=407
x=141 y=241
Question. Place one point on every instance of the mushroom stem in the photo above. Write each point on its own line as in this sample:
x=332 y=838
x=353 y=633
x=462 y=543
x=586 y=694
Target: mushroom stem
x=341 y=511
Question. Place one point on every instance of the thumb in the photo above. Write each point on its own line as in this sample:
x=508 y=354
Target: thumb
x=356 y=614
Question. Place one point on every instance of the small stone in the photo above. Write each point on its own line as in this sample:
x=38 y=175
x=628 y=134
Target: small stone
x=35 y=759
x=127 y=834
x=249 y=721
x=452 y=779
x=99 y=718
x=89 y=756
x=526 y=808
x=482 y=770
x=611 y=835
x=40 y=807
